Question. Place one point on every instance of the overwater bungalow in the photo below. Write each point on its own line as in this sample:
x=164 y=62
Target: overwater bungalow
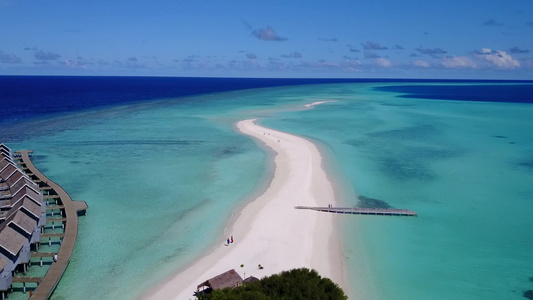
x=8 y=170
x=25 y=182
x=11 y=181
x=6 y=152
x=5 y=148
x=6 y=277
x=15 y=246
x=22 y=217
x=34 y=211
x=26 y=226
x=5 y=161
x=26 y=192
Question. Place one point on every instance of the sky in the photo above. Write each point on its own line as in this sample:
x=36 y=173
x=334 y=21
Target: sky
x=467 y=39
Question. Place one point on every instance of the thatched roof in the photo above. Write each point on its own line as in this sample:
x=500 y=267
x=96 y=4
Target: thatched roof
x=11 y=240
x=227 y=279
x=250 y=279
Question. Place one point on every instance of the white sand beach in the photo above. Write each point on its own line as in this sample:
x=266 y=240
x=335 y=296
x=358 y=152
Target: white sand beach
x=269 y=230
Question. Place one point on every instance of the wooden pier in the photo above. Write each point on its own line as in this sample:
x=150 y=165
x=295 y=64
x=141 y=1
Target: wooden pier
x=49 y=282
x=363 y=211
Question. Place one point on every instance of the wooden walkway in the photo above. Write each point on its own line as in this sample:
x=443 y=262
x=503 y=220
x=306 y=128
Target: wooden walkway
x=42 y=254
x=28 y=279
x=363 y=211
x=54 y=274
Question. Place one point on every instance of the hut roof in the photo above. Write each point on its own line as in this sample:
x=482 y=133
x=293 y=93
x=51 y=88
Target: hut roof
x=32 y=208
x=23 y=221
x=11 y=240
x=24 y=182
x=16 y=177
x=225 y=280
x=250 y=279
x=5 y=153
x=7 y=171
x=29 y=193
x=3 y=214
x=3 y=146
x=4 y=161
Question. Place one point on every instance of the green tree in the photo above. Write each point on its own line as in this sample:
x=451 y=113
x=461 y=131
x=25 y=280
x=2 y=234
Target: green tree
x=293 y=284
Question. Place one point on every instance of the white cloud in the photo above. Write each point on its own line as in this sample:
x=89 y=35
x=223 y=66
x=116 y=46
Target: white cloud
x=349 y=63
x=69 y=63
x=46 y=55
x=382 y=62
x=499 y=58
x=458 y=62
x=267 y=34
x=421 y=63
x=9 y=58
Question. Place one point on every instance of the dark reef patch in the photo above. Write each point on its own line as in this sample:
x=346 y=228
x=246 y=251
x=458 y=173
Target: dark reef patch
x=428 y=153
x=367 y=202
x=500 y=136
x=396 y=104
x=528 y=294
x=418 y=133
x=528 y=164
x=403 y=169
x=356 y=142
x=228 y=151
x=138 y=142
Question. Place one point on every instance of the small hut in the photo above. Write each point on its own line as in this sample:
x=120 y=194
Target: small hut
x=228 y=279
x=251 y=279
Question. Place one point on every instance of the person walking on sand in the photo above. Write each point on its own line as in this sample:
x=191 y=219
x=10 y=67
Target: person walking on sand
x=228 y=241
x=232 y=239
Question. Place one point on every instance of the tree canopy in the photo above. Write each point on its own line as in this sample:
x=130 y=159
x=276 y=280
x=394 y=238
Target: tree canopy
x=293 y=284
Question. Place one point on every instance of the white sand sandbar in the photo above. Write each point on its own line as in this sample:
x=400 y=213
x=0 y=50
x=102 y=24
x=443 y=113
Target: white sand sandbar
x=311 y=105
x=269 y=230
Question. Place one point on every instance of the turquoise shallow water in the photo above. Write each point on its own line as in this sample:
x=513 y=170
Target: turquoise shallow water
x=161 y=180
x=465 y=167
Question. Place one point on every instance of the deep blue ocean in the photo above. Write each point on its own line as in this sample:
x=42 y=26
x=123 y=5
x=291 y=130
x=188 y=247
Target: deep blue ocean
x=42 y=96
x=30 y=97
x=163 y=171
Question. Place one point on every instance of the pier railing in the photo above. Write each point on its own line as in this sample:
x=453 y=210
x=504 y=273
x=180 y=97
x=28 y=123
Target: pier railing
x=362 y=211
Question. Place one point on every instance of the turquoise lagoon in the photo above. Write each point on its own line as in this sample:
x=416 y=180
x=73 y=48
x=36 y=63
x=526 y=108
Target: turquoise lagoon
x=162 y=179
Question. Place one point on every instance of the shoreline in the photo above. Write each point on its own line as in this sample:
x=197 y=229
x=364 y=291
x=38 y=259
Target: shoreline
x=268 y=230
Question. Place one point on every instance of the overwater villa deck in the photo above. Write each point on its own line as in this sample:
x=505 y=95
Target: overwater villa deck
x=71 y=209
